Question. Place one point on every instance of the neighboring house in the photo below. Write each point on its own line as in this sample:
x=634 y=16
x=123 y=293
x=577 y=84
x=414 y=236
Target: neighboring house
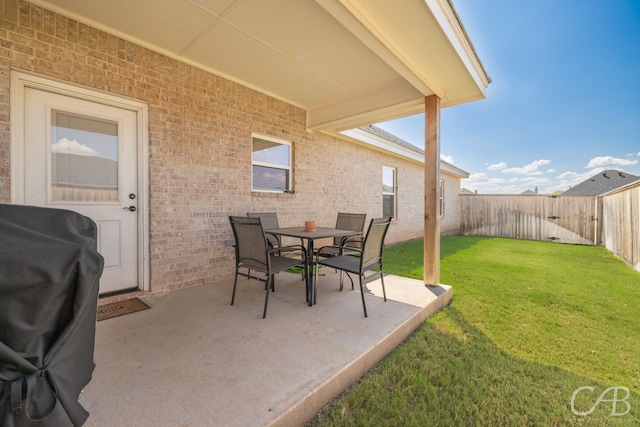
x=467 y=191
x=210 y=109
x=601 y=183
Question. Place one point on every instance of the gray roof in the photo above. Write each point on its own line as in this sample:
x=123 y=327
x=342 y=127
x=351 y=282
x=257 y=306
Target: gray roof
x=391 y=137
x=601 y=183
x=381 y=133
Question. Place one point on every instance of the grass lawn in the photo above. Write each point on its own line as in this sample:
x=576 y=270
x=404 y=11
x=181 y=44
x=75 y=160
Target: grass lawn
x=529 y=324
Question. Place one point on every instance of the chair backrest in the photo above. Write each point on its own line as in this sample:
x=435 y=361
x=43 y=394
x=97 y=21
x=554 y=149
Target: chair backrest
x=349 y=221
x=269 y=219
x=269 y=222
x=251 y=242
x=374 y=243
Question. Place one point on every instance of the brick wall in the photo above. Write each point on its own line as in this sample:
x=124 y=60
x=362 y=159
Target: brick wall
x=450 y=221
x=200 y=128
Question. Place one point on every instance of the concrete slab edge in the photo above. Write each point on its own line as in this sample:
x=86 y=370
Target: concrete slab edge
x=310 y=405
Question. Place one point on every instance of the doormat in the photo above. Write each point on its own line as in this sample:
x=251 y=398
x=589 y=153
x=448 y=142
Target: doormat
x=120 y=308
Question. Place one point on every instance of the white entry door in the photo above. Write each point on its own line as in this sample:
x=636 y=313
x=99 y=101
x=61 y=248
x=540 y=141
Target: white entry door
x=82 y=156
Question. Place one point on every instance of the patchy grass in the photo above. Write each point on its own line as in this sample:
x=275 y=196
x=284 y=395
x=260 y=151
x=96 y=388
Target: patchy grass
x=530 y=323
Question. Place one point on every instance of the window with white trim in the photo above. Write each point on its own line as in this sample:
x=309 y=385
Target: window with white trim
x=388 y=192
x=270 y=164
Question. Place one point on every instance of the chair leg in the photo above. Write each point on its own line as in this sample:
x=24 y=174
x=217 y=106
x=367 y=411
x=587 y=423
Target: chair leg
x=342 y=273
x=235 y=282
x=314 y=282
x=384 y=292
x=266 y=297
x=364 y=306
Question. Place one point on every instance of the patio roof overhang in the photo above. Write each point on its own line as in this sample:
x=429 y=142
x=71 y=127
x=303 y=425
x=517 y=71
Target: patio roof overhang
x=348 y=63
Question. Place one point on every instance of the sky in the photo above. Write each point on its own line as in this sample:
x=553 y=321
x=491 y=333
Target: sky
x=564 y=102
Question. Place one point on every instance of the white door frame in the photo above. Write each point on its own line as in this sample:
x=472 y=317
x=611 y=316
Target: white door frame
x=21 y=80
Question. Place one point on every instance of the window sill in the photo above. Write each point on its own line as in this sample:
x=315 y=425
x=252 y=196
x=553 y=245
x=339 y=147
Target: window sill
x=271 y=194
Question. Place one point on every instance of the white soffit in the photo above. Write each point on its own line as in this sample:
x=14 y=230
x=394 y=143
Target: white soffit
x=348 y=63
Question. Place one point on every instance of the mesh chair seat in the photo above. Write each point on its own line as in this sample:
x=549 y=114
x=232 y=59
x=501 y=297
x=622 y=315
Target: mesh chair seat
x=345 y=263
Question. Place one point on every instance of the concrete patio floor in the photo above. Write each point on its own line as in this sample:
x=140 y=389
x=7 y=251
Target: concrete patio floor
x=195 y=360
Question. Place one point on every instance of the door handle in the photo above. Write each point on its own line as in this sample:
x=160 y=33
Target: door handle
x=131 y=208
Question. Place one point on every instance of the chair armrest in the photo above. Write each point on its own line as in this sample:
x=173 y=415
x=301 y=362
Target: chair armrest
x=290 y=248
x=351 y=239
x=341 y=248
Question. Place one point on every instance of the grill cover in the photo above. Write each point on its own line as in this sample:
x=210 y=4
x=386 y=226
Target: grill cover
x=49 y=277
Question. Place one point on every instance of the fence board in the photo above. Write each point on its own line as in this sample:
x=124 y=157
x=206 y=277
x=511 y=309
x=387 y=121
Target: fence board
x=567 y=219
x=621 y=223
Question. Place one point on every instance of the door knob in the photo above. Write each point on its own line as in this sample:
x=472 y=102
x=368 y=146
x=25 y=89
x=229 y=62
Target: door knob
x=131 y=208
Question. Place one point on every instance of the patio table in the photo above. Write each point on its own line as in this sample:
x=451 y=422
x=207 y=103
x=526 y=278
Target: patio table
x=310 y=237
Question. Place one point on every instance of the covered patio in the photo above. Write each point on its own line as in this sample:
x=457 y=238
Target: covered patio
x=337 y=65
x=193 y=359
x=198 y=81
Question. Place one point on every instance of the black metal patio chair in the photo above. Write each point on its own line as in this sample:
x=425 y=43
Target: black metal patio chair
x=343 y=245
x=269 y=221
x=368 y=265
x=253 y=253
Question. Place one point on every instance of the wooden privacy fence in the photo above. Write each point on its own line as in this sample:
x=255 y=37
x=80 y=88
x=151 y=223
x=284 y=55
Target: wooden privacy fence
x=566 y=219
x=621 y=223
x=612 y=219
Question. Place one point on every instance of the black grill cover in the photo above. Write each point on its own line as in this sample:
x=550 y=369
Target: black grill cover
x=49 y=277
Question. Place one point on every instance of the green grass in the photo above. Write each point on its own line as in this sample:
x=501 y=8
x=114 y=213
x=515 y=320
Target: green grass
x=529 y=323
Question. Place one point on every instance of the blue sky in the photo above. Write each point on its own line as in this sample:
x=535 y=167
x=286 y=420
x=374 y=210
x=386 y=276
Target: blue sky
x=564 y=102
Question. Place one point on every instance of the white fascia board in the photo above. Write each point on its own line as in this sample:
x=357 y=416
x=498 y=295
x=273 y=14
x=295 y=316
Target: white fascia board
x=452 y=26
x=453 y=170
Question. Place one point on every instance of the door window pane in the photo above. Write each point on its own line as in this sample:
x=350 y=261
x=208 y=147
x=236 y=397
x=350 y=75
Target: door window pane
x=84 y=159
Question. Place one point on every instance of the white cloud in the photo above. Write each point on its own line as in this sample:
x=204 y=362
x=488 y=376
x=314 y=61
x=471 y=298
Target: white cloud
x=68 y=146
x=447 y=159
x=497 y=166
x=531 y=168
x=536 y=181
x=484 y=184
x=605 y=161
x=551 y=171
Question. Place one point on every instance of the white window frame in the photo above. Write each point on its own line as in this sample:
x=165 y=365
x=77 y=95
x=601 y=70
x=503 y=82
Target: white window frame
x=286 y=168
x=390 y=193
